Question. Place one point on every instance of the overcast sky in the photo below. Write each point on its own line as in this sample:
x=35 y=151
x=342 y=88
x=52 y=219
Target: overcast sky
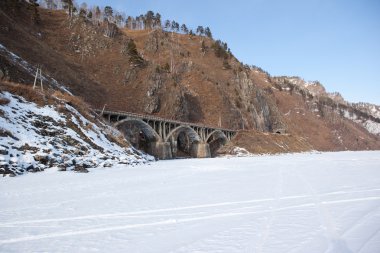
x=334 y=41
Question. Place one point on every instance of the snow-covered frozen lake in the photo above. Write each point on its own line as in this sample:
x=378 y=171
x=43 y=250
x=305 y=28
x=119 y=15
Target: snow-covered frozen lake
x=308 y=203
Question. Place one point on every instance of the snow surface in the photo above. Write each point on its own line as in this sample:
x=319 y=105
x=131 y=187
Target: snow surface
x=46 y=133
x=327 y=202
x=372 y=127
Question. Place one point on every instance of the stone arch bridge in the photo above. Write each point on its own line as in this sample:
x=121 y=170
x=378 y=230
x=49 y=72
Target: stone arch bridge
x=166 y=139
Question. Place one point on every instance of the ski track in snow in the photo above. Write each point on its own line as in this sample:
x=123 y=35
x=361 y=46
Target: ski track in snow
x=272 y=212
x=292 y=203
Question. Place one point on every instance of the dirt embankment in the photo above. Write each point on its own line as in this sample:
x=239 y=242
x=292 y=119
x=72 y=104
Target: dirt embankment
x=266 y=143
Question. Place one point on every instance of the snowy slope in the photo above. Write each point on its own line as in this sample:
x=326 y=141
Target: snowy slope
x=34 y=138
x=371 y=126
x=371 y=109
x=309 y=203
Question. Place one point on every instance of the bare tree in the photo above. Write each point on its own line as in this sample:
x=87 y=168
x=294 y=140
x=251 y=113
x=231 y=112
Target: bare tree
x=97 y=14
x=110 y=29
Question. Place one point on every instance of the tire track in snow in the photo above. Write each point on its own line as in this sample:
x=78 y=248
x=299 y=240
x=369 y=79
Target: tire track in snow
x=368 y=240
x=166 y=222
x=106 y=216
x=222 y=204
x=360 y=221
x=273 y=212
x=335 y=242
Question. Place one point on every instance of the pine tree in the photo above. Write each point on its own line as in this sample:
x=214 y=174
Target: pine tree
x=208 y=32
x=184 y=29
x=108 y=12
x=157 y=19
x=200 y=30
x=173 y=25
x=167 y=24
x=221 y=49
x=135 y=58
x=176 y=27
x=82 y=13
x=149 y=17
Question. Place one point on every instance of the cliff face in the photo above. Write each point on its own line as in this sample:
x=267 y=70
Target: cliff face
x=179 y=77
x=327 y=121
x=170 y=75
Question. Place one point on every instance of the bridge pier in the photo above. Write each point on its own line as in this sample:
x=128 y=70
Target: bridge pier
x=200 y=150
x=174 y=148
x=161 y=150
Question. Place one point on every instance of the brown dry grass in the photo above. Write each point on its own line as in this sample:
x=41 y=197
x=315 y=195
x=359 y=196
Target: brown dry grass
x=89 y=127
x=117 y=138
x=266 y=143
x=74 y=101
x=4 y=101
x=25 y=91
x=46 y=97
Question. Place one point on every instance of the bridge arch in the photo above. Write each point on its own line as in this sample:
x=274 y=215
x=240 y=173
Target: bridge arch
x=138 y=133
x=183 y=139
x=186 y=129
x=216 y=139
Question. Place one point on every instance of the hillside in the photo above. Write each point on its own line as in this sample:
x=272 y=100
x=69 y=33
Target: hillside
x=44 y=130
x=177 y=76
x=99 y=69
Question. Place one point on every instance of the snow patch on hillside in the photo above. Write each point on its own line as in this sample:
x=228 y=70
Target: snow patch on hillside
x=371 y=126
x=371 y=109
x=34 y=138
x=239 y=152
